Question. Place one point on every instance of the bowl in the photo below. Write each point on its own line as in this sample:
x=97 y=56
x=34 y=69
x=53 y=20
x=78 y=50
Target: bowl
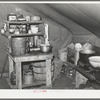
x=95 y=61
x=34 y=29
x=45 y=48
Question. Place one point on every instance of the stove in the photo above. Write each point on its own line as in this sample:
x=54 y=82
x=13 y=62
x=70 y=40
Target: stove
x=86 y=66
x=95 y=72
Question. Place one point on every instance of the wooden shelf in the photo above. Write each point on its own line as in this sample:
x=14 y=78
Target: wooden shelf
x=31 y=57
x=22 y=35
x=33 y=85
x=24 y=22
x=8 y=35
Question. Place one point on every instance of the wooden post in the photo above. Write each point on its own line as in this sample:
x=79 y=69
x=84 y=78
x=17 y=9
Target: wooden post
x=48 y=74
x=18 y=75
x=76 y=57
x=11 y=66
x=76 y=61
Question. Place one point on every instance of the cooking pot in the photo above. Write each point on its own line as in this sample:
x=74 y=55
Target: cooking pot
x=45 y=48
x=84 y=55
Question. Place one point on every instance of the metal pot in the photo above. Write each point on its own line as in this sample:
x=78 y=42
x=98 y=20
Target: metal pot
x=45 y=48
x=84 y=55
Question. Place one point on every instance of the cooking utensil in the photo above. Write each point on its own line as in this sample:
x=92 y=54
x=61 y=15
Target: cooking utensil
x=84 y=55
x=45 y=48
x=95 y=61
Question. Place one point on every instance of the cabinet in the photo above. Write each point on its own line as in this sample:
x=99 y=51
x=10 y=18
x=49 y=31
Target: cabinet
x=27 y=58
x=15 y=62
x=26 y=23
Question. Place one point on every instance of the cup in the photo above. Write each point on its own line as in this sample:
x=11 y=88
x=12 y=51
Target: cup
x=34 y=29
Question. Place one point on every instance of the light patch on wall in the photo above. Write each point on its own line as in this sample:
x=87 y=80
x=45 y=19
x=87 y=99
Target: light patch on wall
x=18 y=9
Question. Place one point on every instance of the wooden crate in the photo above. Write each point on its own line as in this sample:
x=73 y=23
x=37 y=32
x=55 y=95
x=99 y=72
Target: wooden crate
x=71 y=55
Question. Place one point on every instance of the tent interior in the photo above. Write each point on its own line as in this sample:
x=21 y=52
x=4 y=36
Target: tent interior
x=67 y=23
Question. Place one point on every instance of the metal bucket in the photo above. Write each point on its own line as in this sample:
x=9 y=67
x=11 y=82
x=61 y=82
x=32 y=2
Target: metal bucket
x=18 y=46
x=28 y=77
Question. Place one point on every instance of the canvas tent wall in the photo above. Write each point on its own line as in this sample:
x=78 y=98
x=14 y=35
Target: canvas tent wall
x=67 y=23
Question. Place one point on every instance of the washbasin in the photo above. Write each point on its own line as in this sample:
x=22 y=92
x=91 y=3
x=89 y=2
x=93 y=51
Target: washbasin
x=95 y=61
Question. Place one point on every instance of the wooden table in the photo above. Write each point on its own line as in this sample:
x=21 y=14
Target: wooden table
x=17 y=62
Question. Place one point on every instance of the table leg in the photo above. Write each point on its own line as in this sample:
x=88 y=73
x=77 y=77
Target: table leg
x=18 y=75
x=11 y=66
x=48 y=74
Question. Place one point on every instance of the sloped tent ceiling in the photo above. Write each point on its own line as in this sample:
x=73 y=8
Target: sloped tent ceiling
x=78 y=18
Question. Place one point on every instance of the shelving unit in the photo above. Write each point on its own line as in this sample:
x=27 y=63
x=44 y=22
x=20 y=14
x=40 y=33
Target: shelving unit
x=28 y=58
x=9 y=35
x=15 y=62
x=24 y=22
x=22 y=35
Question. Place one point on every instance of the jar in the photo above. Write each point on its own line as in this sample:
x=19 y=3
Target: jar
x=11 y=17
x=34 y=28
x=28 y=18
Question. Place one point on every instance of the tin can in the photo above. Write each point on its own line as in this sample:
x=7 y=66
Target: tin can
x=28 y=77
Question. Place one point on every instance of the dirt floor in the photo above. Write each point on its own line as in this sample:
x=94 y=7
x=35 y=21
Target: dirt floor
x=62 y=82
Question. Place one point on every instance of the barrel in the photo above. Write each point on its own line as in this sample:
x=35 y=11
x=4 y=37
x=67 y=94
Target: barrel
x=18 y=46
x=40 y=71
